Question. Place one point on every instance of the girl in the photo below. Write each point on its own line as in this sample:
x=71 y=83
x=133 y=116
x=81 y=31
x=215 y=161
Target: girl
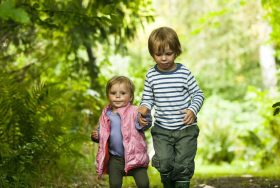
x=122 y=148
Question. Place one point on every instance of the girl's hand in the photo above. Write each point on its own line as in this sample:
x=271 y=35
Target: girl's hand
x=189 y=117
x=94 y=136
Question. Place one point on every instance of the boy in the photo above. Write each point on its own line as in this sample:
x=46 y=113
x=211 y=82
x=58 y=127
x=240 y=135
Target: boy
x=173 y=91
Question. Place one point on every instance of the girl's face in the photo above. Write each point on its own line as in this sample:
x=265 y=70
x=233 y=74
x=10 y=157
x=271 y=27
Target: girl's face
x=119 y=96
x=165 y=60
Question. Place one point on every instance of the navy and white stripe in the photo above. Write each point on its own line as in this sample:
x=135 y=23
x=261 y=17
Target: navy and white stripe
x=170 y=93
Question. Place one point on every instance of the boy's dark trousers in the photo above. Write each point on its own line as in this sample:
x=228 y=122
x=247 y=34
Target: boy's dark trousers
x=175 y=151
x=116 y=173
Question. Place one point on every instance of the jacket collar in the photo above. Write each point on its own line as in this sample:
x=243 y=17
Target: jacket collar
x=121 y=111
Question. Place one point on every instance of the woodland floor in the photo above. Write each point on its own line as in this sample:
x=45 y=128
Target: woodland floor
x=227 y=182
x=237 y=182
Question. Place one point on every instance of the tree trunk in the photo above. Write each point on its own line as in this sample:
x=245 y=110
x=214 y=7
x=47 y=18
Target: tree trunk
x=92 y=67
x=267 y=61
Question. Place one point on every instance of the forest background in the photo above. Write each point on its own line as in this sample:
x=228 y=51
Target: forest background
x=56 y=57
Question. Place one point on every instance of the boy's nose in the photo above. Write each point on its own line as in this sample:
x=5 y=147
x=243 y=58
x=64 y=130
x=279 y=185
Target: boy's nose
x=163 y=57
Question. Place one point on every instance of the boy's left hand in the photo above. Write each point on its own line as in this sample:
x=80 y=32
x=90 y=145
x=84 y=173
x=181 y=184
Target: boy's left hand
x=142 y=120
x=189 y=117
x=143 y=112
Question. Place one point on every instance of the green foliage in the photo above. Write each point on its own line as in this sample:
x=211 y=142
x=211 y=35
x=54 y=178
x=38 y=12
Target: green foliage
x=262 y=140
x=243 y=130
x=9 y=11
x=37 y=131
x=219 y=146
x=219 y=44
x=272 y=14
x=216 y=145
x=276 y=107
x=51 y=91
x=66 y=34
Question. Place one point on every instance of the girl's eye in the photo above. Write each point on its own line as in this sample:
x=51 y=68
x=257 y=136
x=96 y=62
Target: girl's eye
x=112 y=93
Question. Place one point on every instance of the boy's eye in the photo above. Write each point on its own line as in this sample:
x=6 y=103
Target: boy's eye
x=166 y=53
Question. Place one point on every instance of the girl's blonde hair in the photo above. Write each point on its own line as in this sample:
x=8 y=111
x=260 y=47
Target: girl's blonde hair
x=121 y=79
x=161 y=38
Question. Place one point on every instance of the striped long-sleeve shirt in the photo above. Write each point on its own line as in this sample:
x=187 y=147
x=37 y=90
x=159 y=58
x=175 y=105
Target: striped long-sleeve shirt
x=170 y=93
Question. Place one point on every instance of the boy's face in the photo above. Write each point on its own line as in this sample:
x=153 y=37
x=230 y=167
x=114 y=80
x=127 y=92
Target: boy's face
x=119 y=95
x=165 y=59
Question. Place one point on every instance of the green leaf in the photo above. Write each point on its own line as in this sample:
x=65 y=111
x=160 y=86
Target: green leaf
x=9 y=11
x=19 y=15
x=5 y=9
x=107 y=9
x=276 y=111
x=36 y=5
x=276 y=104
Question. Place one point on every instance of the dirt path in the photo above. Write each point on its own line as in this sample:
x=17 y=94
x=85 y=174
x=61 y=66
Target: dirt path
x=237 y=182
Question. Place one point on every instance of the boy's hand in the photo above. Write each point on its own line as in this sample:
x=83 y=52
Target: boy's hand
x=143 y=111
x=94 y=136
x=189 y=117
x=142 y=120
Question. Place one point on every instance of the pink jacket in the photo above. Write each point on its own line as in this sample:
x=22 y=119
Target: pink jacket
x=135 y=147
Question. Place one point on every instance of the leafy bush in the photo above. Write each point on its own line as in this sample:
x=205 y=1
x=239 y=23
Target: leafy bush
x=38 y=130
x=243 y=130
x=216 y=121
x=267 y=130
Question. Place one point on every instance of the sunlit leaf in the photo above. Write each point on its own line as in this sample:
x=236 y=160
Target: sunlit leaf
x=9 y=11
